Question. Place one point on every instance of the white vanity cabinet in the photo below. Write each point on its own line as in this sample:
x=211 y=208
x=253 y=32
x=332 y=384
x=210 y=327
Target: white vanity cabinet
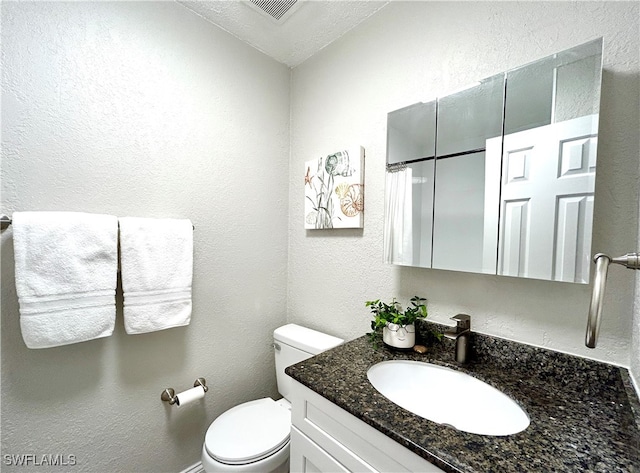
x=326 y=438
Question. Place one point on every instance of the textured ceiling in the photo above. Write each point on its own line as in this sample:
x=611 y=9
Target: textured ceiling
x=311 y=26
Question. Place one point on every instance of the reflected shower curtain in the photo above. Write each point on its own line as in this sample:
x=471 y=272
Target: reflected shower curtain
x=398 y=221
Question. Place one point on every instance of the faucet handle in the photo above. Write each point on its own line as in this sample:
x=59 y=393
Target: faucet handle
x=463 y=321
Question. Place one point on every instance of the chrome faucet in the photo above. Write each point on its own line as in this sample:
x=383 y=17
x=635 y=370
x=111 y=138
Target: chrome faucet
x=460 y=333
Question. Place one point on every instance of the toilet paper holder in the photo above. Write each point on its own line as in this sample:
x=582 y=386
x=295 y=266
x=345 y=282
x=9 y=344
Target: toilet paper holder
x=169 y=394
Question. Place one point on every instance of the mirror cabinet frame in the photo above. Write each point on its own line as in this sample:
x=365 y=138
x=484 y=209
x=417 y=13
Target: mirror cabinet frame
x=499 y=178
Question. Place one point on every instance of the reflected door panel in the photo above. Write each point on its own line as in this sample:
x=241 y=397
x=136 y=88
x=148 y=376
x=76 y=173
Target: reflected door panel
x=547 y=201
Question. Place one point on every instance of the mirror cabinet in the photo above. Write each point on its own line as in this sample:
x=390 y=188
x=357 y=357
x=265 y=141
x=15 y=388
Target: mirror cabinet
x=499 y=178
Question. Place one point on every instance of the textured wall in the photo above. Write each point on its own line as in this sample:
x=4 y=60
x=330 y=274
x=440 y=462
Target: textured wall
x=144 y=109
x=413 y=51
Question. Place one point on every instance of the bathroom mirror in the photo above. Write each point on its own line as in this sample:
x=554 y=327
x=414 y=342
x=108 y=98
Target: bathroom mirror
x=408 y=227
x=466 y=121
x=411 y=138
x=499 y=178
x=411 y=133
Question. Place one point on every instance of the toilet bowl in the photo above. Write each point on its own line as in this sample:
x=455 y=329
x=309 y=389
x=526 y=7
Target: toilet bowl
x=254 y=436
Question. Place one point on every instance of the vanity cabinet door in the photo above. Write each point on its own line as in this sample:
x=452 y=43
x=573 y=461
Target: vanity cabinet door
x=308 y=457
x=328 y=433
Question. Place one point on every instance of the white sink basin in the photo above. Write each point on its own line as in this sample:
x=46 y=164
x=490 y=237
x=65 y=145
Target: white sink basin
x=448 y=397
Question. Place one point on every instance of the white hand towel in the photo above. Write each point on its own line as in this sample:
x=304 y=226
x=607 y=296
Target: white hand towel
x=156 y=260
x=66 y=274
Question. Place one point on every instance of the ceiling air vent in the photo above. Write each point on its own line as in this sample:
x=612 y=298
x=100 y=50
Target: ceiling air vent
x=278 y=10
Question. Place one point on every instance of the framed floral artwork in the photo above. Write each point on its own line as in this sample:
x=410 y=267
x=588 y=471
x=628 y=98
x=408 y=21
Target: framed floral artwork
x=334 y=190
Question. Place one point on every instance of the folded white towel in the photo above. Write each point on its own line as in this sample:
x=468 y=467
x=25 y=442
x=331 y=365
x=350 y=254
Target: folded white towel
x=66 y=274
x=156 y=259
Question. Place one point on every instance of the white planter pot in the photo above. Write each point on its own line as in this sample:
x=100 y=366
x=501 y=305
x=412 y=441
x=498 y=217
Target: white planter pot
x=399 y=336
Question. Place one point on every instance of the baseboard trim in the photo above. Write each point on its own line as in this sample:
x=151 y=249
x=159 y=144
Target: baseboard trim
x=195 y=468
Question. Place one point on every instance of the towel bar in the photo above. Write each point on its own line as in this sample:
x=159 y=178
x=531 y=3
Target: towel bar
x=5 y=221
x=602 y=261
x=169 y=394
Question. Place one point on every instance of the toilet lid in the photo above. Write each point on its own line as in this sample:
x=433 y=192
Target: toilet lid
x=248 y=432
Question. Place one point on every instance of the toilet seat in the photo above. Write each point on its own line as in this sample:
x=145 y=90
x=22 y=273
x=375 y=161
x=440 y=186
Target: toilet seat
x=249 y=432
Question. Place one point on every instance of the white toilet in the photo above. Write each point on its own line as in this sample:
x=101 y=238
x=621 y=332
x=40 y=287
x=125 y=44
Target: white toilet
x=254 y=436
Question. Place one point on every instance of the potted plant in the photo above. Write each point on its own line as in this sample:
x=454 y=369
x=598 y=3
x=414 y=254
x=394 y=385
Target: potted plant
x=397 y=325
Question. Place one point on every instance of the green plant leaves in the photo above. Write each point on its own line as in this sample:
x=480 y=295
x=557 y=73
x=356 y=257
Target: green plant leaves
x=384 y=313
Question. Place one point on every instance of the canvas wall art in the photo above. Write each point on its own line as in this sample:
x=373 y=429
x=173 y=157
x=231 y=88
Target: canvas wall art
x=334 y=190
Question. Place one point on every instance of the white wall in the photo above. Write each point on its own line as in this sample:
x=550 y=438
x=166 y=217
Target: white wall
x=144 y=109
x=413 y=51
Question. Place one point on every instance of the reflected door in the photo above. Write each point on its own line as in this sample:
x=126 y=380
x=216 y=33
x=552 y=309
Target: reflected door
x=546 y=203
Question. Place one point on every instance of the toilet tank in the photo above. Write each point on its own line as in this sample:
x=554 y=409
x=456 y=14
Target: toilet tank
x=294 y=343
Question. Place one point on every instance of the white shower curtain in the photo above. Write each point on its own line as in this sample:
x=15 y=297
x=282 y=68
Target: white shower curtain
x=398 y=221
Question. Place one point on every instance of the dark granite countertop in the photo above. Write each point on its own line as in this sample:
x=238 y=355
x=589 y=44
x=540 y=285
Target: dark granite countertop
x=585 y=415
